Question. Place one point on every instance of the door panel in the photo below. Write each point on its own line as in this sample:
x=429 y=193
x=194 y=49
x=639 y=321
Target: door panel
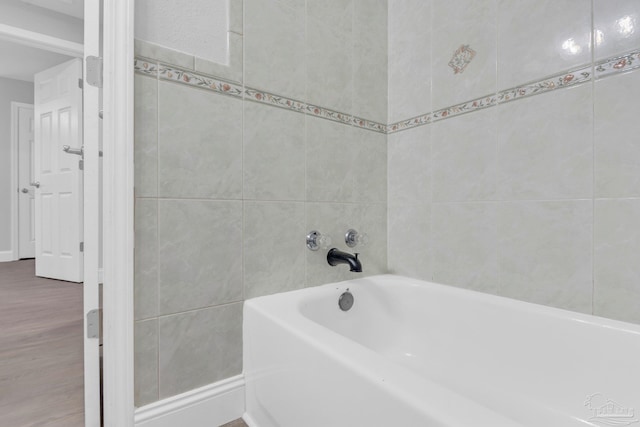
x=58 y=200
x=26 y=213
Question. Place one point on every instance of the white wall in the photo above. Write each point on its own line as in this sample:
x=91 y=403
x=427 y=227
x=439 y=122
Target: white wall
x=196 y=27
x=33 y=18
x=18 y=91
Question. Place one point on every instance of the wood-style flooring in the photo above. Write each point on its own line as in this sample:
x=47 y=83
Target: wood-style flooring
x=41 y=349
x=236 y=423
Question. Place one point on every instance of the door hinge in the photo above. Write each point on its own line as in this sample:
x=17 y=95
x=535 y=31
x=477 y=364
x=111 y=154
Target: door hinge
x=94 y=71
x=81 y=164
x=93 y=323
x=81 y=246
x=80 y=83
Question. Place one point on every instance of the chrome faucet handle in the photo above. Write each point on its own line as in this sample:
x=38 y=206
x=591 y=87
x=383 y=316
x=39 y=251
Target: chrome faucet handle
x=352 y=238
x=316 y=240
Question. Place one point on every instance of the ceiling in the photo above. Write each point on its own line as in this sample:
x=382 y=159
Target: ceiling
x=73 y=8
x=21 y=62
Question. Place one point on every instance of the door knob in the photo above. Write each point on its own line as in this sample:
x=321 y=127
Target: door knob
x=78 y=151
x=25 y=190
x=35 y=184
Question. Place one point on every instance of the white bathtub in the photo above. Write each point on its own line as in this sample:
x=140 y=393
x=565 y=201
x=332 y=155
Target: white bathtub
x=417 y=354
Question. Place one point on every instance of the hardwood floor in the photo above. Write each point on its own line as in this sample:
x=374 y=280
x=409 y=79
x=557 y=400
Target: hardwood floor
x=41 y=349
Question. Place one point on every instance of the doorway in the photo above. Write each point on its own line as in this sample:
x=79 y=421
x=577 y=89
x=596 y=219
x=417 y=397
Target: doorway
x=22 y=143
x=43 y=231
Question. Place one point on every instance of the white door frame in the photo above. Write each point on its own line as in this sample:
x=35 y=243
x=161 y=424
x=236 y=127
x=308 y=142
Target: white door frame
x=91 y=215
x=15 y=106
x=118 y=212
x=118 y=19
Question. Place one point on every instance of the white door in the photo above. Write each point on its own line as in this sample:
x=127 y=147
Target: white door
x=26 y=200
x=58 y=174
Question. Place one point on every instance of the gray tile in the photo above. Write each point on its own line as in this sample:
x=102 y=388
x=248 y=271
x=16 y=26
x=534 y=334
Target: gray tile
x=231 y=71
x=274 y=153
x=410 y=166
x=329 y=161
x=329 y=61
x=474 y=25
x=369 y=163
x=146 y=259
x=200 y=254
x=199 y=347
x=410 y=241
x=163 y=54
x=409 y=75
x=274 y=247
x=617 y=251
x=545 y=146
x=146 y=362
x=464 y=157
x=345 y=164
x=235 y=16
x=617 y=150
x=616 y=26
x=537 y=38
x=146 y=136
x=200 y=143
x=274 y=43
x=338 y=14
x=334 y=219
x=544 y=251
x=465 y=245
x=370 y=79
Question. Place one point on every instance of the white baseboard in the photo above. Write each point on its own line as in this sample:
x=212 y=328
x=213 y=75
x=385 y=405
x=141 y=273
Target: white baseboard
x=249 y=421
x=6 y=256
x=208 y=406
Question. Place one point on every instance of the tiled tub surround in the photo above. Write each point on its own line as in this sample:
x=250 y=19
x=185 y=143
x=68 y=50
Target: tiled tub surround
x=533 y=197
x=230 y=177
x=475 y=201
x=224 y=218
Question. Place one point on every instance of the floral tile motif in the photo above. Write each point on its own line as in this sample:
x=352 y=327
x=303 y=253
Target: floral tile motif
x=424 y=119
x=271 y=99
x=461 y=58
x=465 y=107
x=367 y=124
x=145 y=67
x=192 y=79
x=556 y=82
x=325 y=113
x=619 y=64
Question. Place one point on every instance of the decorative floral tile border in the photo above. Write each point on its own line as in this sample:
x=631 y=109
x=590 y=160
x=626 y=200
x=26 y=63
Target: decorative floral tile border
x=614 y=65
x=271 y=99
x=424 y=119
x=174 y=74
x=145 y=67
x=558 y=81
x=618 y=64
x=190 y=78
x=466 y=107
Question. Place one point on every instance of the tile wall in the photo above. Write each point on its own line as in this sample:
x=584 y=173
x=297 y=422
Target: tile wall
x=535 y=198
x=489 y=145
x=229 y=178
